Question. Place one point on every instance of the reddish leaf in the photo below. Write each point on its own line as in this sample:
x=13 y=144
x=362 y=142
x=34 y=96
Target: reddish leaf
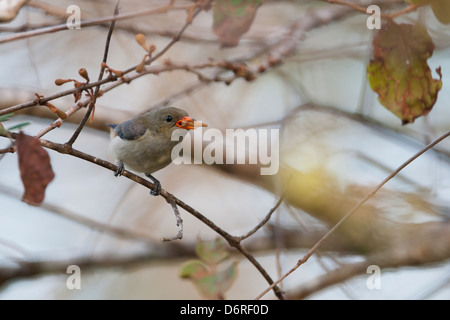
x=233 y=18
x=35 y=168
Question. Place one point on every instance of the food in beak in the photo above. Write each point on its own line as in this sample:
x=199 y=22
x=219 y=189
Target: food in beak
x=188 y=123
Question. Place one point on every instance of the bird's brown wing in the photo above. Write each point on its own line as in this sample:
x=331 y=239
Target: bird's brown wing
x=130 y=130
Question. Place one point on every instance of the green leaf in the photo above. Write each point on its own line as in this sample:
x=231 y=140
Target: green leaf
x=399 y=72
x=212 y=252
x=209 y=280
x=214 y=285
x=6 y=117
x=441 y=10
x=19 y=126
x=233 y=18
x=193 y=269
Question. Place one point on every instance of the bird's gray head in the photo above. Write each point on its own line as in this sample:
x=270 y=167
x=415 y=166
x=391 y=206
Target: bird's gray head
x=168 y=119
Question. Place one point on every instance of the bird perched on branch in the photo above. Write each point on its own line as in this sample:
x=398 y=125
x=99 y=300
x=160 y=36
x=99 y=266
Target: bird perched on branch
x=144 y=144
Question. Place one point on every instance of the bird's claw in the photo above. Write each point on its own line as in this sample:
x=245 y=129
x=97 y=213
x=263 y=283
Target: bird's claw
x=120 y=169
x=157 y=189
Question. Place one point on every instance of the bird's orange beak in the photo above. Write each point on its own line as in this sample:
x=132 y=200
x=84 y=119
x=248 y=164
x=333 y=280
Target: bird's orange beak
x=188 y=123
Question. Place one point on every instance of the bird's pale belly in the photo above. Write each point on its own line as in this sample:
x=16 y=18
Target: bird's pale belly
x=156 y=156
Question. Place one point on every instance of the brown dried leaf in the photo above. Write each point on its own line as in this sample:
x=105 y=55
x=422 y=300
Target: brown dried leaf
x=35 y=168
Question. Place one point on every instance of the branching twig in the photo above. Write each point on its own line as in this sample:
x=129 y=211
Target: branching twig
x=93 y=99
x=355 y=7
x=408 y=9
x=353 y=210
x=179 y=235
x=362 y=9
x=263 y=222
x=32 y=268
x=111 y=78
x=65 y=149
x=92 y=22
x=275 y=54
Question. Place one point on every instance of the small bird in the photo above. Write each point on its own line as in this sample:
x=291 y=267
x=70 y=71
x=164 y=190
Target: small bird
x=143 y=144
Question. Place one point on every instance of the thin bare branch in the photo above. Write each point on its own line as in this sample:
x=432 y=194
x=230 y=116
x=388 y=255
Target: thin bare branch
x=179 y=235
x=263 y=222
x=92 y=22
x=363 y=9
x=65 y=149
x=353 y=210
x=93 y=98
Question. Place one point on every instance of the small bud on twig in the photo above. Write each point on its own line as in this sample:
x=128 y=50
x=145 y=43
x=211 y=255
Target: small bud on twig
x=110 y=70
x=54 y=109
x=82 y=72
x=140 y=66
x=140 y=39
x=60 y=82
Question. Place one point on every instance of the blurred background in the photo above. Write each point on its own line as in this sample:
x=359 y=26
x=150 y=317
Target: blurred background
x=336 y=144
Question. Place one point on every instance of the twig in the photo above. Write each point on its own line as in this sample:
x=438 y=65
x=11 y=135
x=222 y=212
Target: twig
x=179 y=235
x=93 y=99
x=353 y=210
x=50 y=9
x=32 y=268
x=232 y=241
x=15 y=247
x=65 y=149
x=263 y=222
x=61 y=13
x=362 y=9
x=409 y=8
x=283 y=48
x=43 y=100
x=93 y=22
x=296 y=32
x=348 y=4
x=111 y=78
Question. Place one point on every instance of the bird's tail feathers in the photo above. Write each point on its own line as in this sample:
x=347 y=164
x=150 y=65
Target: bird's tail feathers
x=112 y=131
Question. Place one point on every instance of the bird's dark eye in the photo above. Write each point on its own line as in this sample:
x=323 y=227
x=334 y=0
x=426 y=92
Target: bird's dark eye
x=169 y=118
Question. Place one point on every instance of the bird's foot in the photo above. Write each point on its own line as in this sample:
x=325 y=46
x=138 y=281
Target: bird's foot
x=157 y=189
x=120 y=168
